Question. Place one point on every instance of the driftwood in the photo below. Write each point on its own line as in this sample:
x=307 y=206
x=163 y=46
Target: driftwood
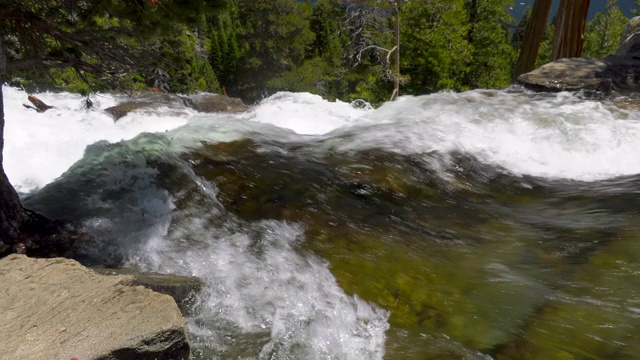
x=38 y=105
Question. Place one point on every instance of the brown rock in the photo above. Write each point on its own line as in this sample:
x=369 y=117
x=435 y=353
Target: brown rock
x=121 y=110
x=58 y=309
x=613 y=73
x=209 y=103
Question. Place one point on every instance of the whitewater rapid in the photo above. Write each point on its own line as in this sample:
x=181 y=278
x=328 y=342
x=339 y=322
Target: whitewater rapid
x=259 y=285
x=555 y=137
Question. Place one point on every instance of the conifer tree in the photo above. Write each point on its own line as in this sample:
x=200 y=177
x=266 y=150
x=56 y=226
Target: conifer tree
x=435 y=39
x=276 y=35
x=492 y=57
x=603 y=32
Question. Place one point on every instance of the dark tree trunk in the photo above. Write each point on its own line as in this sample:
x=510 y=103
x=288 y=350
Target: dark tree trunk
x=532 y=37
x=21 y=230
x=570 y=25
x=11 y=213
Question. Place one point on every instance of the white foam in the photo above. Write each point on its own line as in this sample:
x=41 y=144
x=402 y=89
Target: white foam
x=306 y=113
x=39 y=147
x=556 y=137
x=258 y=283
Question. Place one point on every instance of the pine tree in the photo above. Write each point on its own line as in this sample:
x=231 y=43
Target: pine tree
x=435 y=40
x=603 y=32
x=492 y=57
x=276 y=35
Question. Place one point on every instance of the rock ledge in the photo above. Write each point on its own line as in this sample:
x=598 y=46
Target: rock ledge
x=58 y=309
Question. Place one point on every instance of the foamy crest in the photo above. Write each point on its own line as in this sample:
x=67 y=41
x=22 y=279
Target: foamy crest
x=259 y=286
x=554 y=137
x=557 y=136
x=305 y=113
x=39 y=147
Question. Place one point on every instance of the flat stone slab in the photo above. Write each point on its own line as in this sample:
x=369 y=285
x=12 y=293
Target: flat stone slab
x=58 y=309
x=182 y=289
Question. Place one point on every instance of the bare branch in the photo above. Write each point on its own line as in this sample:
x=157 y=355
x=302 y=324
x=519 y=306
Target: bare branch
x=391 y=52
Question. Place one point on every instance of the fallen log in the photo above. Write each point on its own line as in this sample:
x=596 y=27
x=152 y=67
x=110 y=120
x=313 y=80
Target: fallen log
x=38 y=105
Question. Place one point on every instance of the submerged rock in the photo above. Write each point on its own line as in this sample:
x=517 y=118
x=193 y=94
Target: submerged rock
x=58 y=309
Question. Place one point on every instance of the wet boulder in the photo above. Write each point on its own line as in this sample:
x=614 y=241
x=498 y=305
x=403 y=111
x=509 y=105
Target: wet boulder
x=613 y=73
x=148 y=100
x=121 y=110
x=152 y=100
x=618 y=73
x=630 y=40
x=58 y=309
x=209 y=103
x=567 y=74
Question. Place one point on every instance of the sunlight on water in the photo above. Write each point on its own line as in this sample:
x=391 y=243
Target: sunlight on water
x=39 y=147
x=551 y=137
x=258 y=285
x=425 y=209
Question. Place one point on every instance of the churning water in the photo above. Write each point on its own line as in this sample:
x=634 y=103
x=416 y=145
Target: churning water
x=454 y=225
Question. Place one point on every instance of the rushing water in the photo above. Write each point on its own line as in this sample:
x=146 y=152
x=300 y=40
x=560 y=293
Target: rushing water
x=477 y=225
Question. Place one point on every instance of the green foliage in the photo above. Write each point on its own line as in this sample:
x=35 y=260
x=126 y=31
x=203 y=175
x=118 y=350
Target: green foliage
x=435 y=50
x=518 y=33
x=276 y=36
x=253 y=48
x=183 y=58
x=546 y=46
x=603 y=33
x=311 y=76
x=493 y=57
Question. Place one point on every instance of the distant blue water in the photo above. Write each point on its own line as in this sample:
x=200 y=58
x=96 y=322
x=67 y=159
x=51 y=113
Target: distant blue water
x=596 y=6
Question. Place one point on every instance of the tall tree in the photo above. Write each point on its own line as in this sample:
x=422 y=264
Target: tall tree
x=89 y=36
x=435 y=41
x=603 y=33
x=570 y=25
x=532 y=37
x=492 y=58
x=276 y=36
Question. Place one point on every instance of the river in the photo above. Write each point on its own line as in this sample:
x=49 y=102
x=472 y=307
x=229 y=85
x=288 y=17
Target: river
x=478 y=225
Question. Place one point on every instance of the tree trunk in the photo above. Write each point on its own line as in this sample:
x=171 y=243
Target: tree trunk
x=396 y=85
x=532 y=37
x=570 y=25
x=11 y=213
x=21 y=230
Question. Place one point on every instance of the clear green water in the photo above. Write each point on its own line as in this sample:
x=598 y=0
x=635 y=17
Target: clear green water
x=476 y=264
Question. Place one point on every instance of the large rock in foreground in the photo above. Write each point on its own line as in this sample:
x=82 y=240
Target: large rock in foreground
x=58 y=309
x=613 y=73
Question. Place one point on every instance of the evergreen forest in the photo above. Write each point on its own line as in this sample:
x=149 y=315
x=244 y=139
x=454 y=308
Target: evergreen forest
x=339 y=49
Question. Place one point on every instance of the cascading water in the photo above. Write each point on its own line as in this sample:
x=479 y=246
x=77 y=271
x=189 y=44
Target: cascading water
x=454 y=225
